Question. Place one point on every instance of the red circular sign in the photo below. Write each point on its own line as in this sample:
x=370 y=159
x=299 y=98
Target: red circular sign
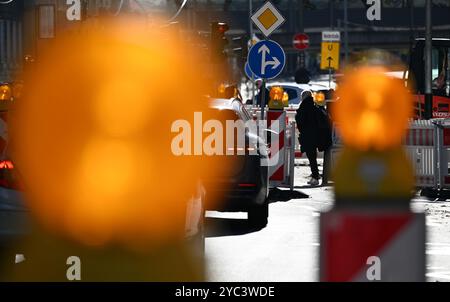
x=301 y=41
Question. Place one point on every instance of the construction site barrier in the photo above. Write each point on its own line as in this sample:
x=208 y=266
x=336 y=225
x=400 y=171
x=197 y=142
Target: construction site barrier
x=427 y=143
x=443 y=136
x=290 y=117
x=421 y=146
x=281 y=173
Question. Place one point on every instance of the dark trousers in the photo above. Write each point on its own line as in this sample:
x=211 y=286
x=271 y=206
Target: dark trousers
x=312 y=157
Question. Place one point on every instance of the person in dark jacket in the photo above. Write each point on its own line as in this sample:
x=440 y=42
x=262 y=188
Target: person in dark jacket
x=325 y=138
x=315 y=134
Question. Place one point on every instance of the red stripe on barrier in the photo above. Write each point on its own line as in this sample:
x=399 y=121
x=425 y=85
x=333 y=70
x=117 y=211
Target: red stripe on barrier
x=347 y=240
x=408 y=137
x=447 y=179
x=446 y=136
x=273 y=116
x=420 y=137
x=278 y=175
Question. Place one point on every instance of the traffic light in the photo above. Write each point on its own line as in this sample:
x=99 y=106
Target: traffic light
x=218 y=41
x=242 y=43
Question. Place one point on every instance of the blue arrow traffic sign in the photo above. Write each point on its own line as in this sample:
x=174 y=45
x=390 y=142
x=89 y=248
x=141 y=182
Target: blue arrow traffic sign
x=249 y=73
x=266 y=59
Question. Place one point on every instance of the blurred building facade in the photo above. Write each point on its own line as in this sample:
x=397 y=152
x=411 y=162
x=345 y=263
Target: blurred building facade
x=27 y=25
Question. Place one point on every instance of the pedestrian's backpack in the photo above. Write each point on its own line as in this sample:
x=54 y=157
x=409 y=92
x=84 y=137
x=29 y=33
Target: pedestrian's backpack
x=324 y=140
x=323 y=120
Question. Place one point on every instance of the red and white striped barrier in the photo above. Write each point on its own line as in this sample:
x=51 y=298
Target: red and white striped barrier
x=290 y=118
x=421 y=145
x=443 y=135
x=286 y=148
x=276 y=169
x=383 y=245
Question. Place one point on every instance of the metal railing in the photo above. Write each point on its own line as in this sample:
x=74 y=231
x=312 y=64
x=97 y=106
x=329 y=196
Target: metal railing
x=427 y=144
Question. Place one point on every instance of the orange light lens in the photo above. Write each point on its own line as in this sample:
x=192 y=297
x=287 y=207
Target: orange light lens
x=373 y=109
x=276 y=93
x=6 y=164
x=5 y=93
x=102 y=122
x=319 y=98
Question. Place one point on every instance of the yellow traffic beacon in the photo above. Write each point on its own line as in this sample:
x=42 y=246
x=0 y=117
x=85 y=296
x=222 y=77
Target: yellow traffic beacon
x=372 y=116
x=276 y=95
x=371 y=234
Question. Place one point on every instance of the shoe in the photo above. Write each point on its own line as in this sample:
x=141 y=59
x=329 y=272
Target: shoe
x=313 y=181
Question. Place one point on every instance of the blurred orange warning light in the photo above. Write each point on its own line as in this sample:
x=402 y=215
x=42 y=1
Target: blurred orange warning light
x=100 y=119
x=373 y=109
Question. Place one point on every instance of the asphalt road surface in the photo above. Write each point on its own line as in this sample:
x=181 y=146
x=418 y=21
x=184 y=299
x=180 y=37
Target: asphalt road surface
x=287 y=248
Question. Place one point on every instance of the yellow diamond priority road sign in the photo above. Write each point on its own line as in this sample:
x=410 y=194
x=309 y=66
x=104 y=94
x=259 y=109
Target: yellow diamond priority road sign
x=267 y=18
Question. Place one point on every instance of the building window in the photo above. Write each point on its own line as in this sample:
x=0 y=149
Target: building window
x=46 y=21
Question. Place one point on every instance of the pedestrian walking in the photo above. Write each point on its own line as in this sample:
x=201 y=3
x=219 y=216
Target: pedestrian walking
x=315 y=133
x=324 y=137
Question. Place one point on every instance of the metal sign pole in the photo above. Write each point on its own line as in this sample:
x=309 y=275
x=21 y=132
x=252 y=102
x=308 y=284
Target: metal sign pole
x=329 y=78
x=428 y=76
x=253 y=90
x=263 y=98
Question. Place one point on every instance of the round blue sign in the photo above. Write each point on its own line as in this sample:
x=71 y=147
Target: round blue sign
x=266 y=59
x=249 y=73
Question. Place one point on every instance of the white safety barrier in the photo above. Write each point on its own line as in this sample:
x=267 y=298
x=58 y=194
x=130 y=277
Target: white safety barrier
x=443 y=150
x=290 y=113
x=277 y=148
x=427 y=143
x=282 y=173
x=290 y=117
x=291 y=140
x=421 y=146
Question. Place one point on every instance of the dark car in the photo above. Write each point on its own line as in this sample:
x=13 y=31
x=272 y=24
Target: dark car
x=243 y=184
